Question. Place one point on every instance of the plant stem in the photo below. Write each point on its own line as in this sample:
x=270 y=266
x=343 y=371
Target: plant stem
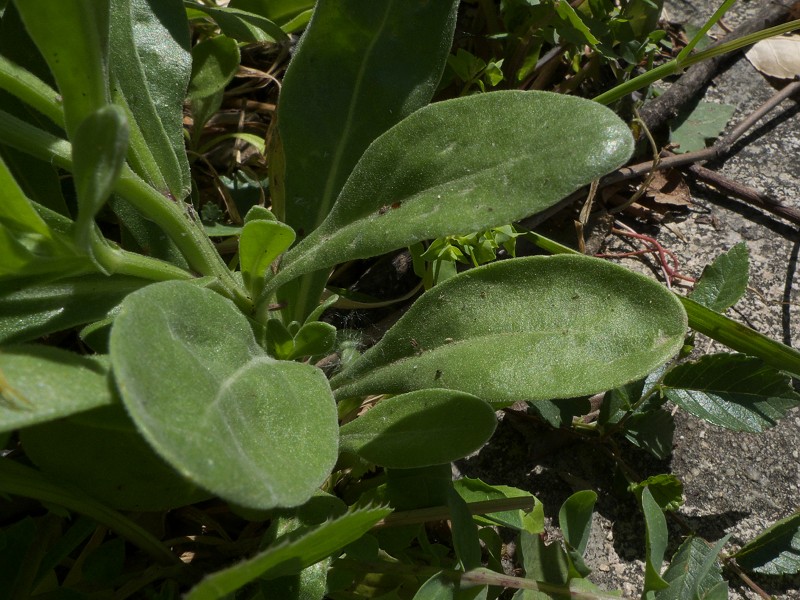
x=677 y=64
x=27 y=482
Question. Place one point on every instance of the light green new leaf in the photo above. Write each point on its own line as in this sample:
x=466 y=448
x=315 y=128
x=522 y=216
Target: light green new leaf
x=666 y=490
x=313 y=339
x=532 y=328
x=724 y=281
x=734 y=391
x=75 y=46
x=214 y=63
x=259 y=432
x=43 y=383
x=282 y=12
x=418 y=429
x=693 y=573
x=776 y=551
x=655 y=542
x=242 y=25
x=464 y=165
x=39 y=309
x=98 y=154
x=260 y=243
x=290 y=555
x=151 y=65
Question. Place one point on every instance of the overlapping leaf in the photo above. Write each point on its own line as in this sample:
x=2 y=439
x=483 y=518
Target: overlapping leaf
x=532 y=328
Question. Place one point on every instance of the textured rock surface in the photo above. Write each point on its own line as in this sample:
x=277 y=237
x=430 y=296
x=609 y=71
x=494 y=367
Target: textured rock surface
x=734 y=483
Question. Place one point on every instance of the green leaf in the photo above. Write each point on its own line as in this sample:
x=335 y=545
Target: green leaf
x=75 y=46
x=258 y=432
x=666 y=490
x=575 y=519
x=151 y=65
x=42 y=383
x=475 y=490
x=776 y=551
x=314 y=339
x=16 y=211
x=418 y=429
x=242 y=25
x=438 y=587
x=466 y=543
x=296 y=551
x=698 y=123
x=337 y=97
x=279 y=11
x=655 y=542
x=693 y=573
x=261 y=242
x=724 y=281
x=464 y=165
x=106 y=441
x=586 y=326
x=31 y=311
x=98 y=154
x=542 y=562
x=741 y=338
x=652 y=431
x=214 y=63
x=734 y=391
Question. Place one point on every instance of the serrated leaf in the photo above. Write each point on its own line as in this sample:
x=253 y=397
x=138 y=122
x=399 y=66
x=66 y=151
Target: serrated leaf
x=698 y=123
x=724 y=281
x=418 y=429
x=42 y=383
x=298 y=550
x=563 y=328
x=776 y=551
x=692 y=576
x=258 y=432
x=463 y=165
x=734 y=391
x=656 y=539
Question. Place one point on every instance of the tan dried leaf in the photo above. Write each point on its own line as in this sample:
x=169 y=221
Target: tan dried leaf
x=777 y=57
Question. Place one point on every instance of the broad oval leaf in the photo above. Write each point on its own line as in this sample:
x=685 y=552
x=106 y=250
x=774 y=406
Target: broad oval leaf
x=419 y=429
x=464 y=165
x=531 y=328
x=214 y=63
x=258 y=432
x=734 y=391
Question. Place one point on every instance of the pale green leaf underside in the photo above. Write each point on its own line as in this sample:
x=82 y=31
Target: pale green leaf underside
x=256 y=431
x=737 y=392
x=463 y=165
x=302 y=548
x=776 y=551
x=532 y=328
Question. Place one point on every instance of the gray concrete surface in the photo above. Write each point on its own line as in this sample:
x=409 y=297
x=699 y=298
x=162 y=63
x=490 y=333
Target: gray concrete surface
x=734 y=483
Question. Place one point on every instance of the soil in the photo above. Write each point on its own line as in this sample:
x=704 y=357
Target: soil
x=733 y=483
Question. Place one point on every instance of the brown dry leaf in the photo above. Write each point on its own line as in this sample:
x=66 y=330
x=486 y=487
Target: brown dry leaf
x=777 y=57
x=669 y=187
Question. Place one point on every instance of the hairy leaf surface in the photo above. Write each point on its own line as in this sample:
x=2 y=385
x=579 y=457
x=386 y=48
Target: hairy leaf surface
x=532 y=328
x=259 y=432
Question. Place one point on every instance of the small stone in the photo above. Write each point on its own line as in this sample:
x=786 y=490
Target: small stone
x=604 y=568
x=752 y=474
